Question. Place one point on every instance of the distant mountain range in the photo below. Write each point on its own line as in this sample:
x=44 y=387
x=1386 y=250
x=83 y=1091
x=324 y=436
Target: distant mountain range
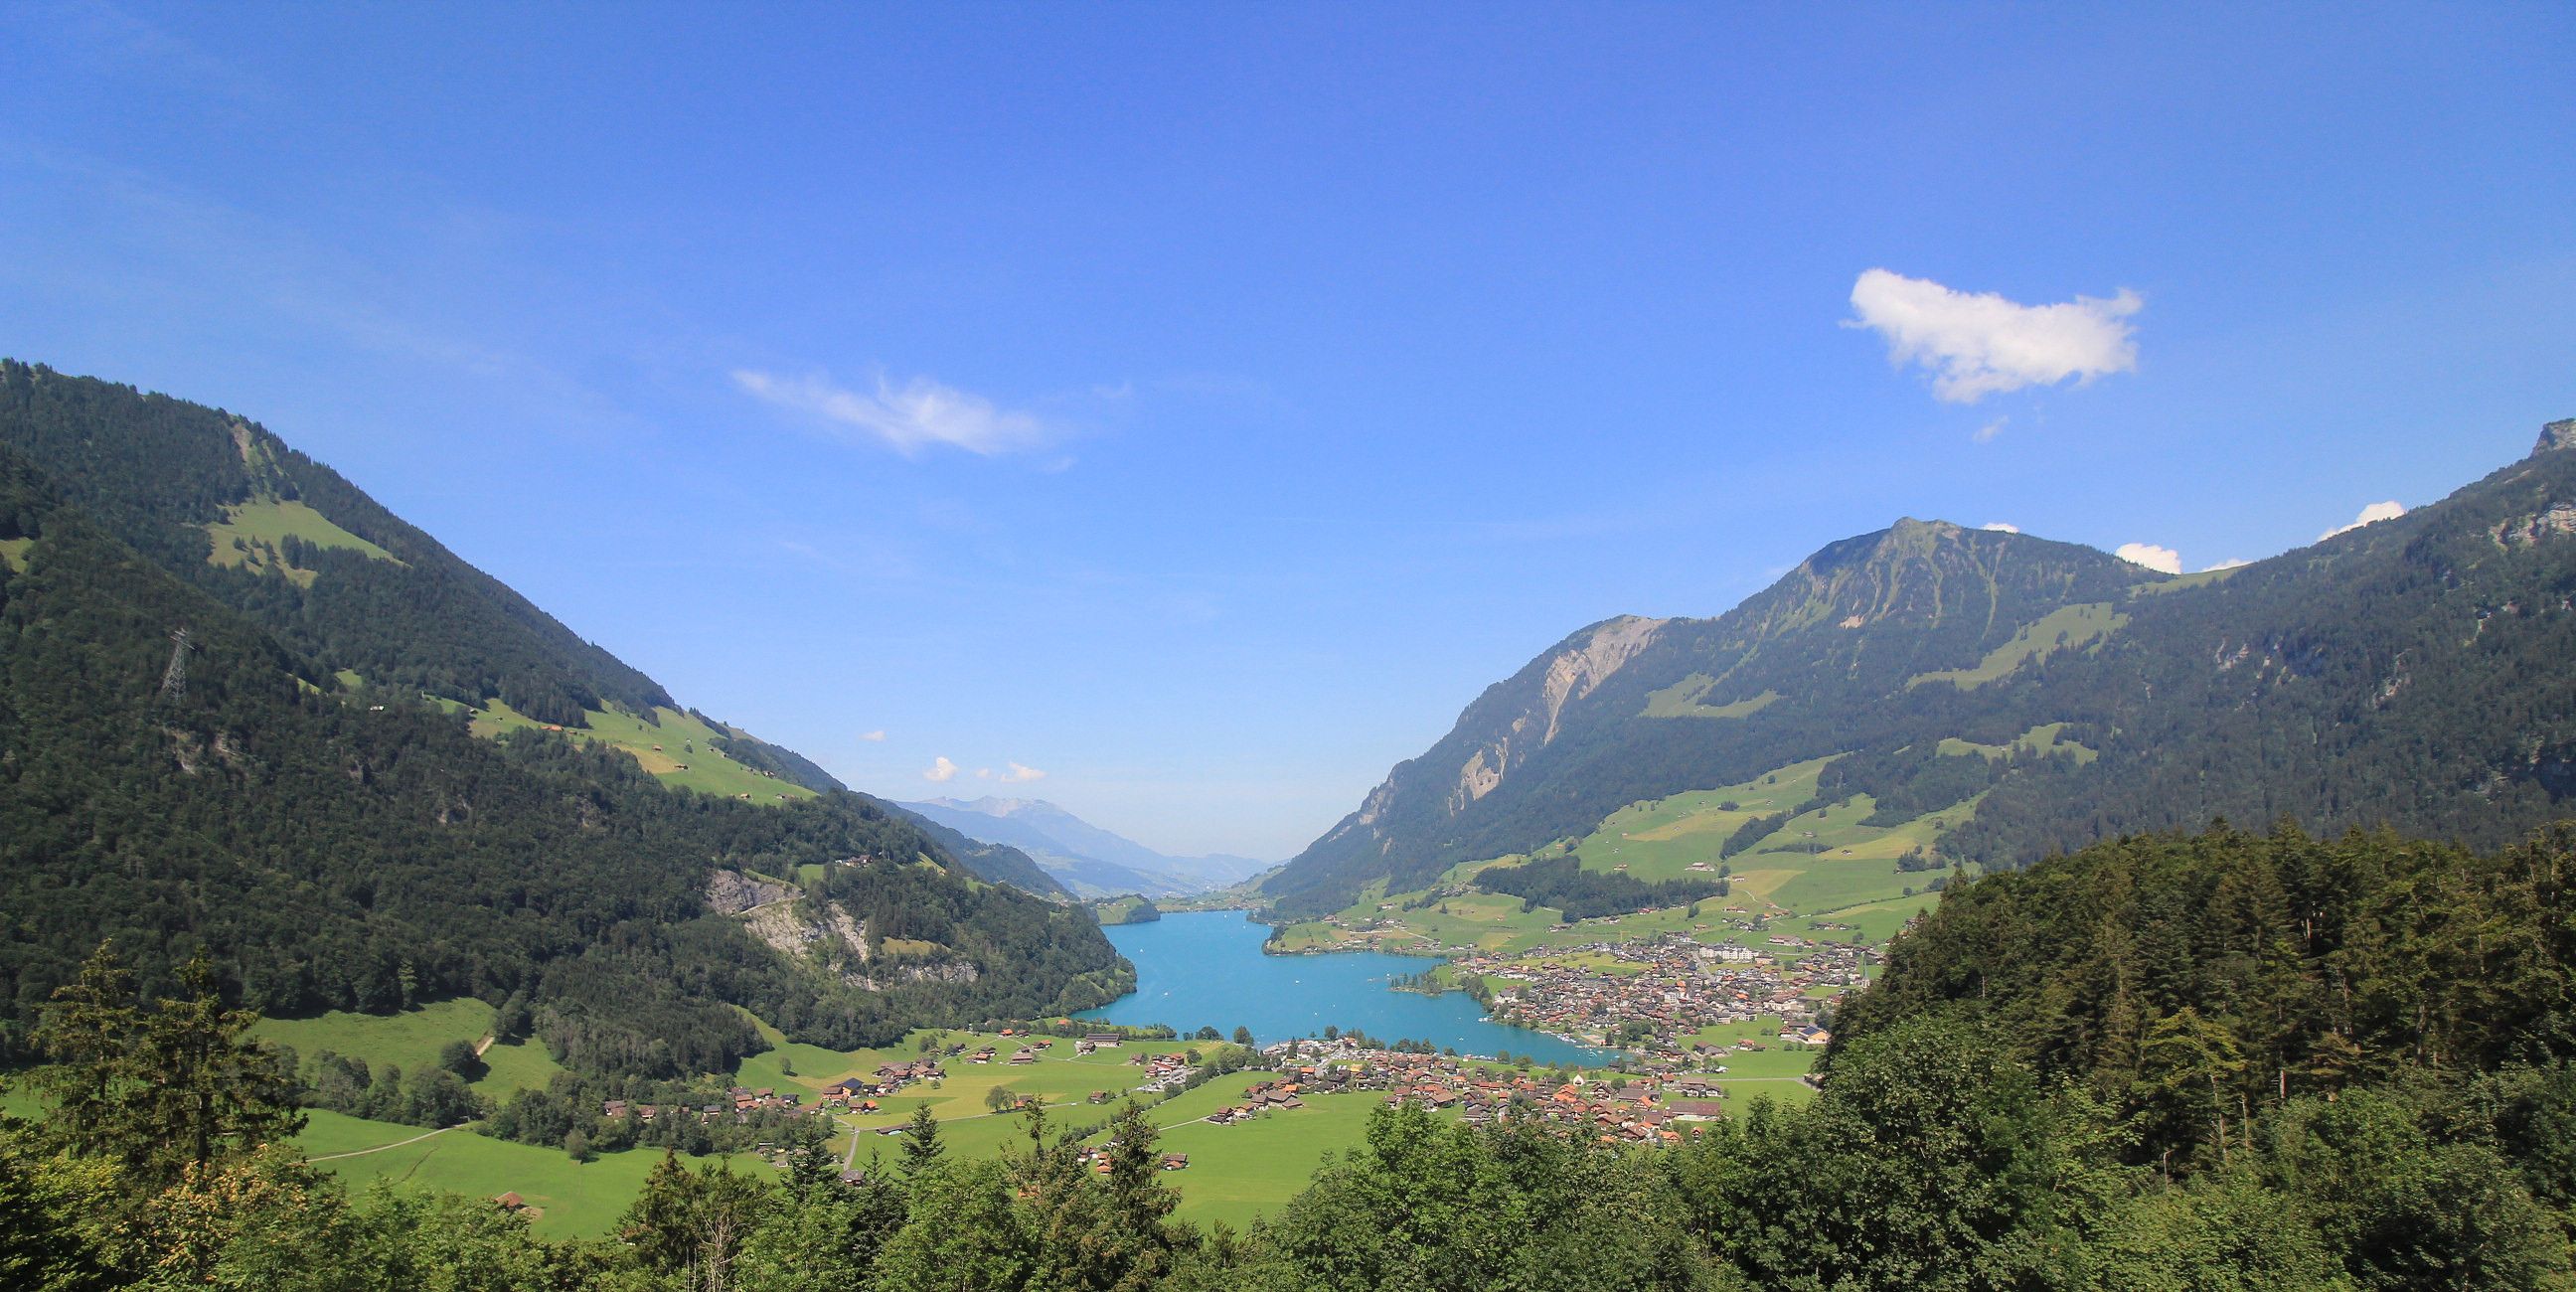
x=2417 y=673
x=1089 y=860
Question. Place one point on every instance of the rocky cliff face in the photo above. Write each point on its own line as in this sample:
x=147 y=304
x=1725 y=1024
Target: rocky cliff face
x=1636 y=707
x=2556 y=435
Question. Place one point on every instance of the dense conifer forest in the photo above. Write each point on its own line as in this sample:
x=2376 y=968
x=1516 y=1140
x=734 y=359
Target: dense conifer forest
x=1562 y=883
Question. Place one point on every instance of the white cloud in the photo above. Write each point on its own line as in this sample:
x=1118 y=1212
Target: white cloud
x=873 y=737
x=983 y=773
x=1021 y=772
x=2151 y=556
x=940 y=769
x=1987 y=433
x=907 y=418
x=2228 y=564
x=2373 y=513
x=1979 y=344
x=2001 y=527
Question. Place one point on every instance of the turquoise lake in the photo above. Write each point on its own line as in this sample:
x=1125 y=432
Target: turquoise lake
x=1205 y=969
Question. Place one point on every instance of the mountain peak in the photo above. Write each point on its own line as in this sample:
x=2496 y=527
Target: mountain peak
x=2560 y=434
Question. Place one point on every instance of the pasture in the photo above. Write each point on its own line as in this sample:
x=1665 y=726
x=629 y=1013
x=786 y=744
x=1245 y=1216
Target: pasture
x=677 y=748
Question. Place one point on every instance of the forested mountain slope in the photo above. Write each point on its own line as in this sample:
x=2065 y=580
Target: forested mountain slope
x=369 y=601
x=335 y=854
x=2412 y=673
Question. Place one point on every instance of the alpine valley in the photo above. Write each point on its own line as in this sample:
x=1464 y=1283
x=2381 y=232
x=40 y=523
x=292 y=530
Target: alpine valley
x=1884 y=933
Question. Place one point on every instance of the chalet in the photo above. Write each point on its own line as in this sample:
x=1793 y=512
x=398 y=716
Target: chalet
x=1102 y=1040
x=1176 y=1161
x=511 y=1201
x=1696 y=1110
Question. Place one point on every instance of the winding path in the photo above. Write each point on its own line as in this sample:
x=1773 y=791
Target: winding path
x=333 y=1157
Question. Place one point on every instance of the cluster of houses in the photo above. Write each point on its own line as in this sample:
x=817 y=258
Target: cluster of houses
x=1670 y=987
x=1163 y=1072
x=740 y=1103
x=1648 y=1109
x=1259 y=1099
x=860 y=1094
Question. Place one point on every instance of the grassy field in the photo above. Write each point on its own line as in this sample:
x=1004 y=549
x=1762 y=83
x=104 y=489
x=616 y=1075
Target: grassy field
x=569 y=1199
x=2047 y=738
x=409 y=1040
x=1249 y=1169
x=1682 y=700
x=677 y=748
x=1662 y=838
x=251 y=534
x=520 y=1065
x=2065 y=628
x=1774 y=1072
x=2201 y=579
x=1236 y=1172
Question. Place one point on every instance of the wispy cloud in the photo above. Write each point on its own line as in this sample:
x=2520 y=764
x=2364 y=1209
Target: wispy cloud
x=1980 y=344
x=1986 y=434
x=940 y=769
x=2371 y=514
x=874 y=737
x=2151 y=556
x=1020 y=772
x=2001 y=527
x=2228 y=564
x=908 y=418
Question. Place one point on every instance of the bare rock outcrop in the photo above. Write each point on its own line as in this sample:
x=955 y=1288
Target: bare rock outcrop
x=731 y=892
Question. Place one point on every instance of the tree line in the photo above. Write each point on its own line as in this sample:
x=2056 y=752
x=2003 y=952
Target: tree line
x=1563 y=883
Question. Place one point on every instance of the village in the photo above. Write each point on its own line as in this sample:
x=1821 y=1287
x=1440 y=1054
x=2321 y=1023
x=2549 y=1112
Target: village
x=1652 y=995
x=1639 y=1108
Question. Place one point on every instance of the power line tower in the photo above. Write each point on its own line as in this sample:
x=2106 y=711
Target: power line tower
x=174 y=679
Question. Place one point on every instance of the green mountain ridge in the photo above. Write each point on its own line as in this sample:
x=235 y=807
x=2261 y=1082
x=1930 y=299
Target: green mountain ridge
x=2409 y=673
x=344 y=840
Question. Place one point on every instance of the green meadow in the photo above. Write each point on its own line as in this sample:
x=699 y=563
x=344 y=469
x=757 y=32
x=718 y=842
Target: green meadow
x=2047 y=738
x=2065 y=628
x=567 y=1199
x=677 y=748
x=253 y=534
x=409 y=1040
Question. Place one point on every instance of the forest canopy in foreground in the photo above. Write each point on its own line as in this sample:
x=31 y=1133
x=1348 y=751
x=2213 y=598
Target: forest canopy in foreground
x=1954 y=1146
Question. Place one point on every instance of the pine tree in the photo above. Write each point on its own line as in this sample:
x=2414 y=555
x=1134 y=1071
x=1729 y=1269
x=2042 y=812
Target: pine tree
x=921 y=1148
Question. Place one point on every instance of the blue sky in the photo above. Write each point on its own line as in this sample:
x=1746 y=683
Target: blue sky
x=1201 y=408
